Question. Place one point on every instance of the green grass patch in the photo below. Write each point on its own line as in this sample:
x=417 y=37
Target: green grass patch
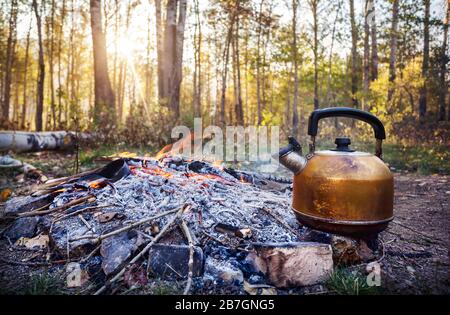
x=44 y=284
x=346 y=282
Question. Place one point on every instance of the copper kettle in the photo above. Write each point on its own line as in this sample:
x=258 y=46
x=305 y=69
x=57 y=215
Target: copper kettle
x=340 y=190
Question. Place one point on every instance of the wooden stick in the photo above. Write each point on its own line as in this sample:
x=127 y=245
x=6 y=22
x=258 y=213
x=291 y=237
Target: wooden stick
x=146 y=248
x=281 y=221
x=79 y=211
x=30 y=264
x=86 y=223
x=418 y=232
x=125 y=228
x=63 y=207
x=188 y=235
x=57 y=181
x=90 y=254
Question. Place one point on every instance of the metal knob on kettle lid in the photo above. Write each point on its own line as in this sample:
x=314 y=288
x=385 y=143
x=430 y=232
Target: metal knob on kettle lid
x=341 y=190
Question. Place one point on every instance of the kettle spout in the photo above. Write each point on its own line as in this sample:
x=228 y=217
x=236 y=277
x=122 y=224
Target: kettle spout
x=291 y=156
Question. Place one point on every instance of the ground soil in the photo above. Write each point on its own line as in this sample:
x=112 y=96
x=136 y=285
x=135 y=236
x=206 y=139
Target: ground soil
x=415 y=252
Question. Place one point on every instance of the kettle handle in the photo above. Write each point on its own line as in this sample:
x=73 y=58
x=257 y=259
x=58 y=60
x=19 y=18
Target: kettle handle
x=318 y=114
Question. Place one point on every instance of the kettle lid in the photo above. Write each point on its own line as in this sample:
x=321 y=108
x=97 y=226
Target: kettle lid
x=342 y=145
x=342 y=148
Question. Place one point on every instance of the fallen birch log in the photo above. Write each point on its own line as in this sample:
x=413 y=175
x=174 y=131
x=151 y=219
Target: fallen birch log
x=21 y=141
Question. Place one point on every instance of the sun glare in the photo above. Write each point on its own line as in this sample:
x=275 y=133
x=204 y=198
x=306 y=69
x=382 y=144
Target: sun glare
x=125 y=47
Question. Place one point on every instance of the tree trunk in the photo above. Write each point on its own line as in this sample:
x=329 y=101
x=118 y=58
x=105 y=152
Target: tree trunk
x=197 y=58
x=175 y=85
x=19 y=141
x=159 y=48
x=314 y=4
x=444 y=61
x=374 y=57
x=288 y=99
x=10 y=48
x=169 y=48
x=239 y=108
x=354 y=52
x=330 y=56
x=239 y=112
x=51 y=39
x=25 y=79
x=41 y=71
x=60 y=39
x=426 y=58
x=393 y=54
x=295 y=118
x=258 y=64
x=366 y=78
x=226 y=57
x=104 y=110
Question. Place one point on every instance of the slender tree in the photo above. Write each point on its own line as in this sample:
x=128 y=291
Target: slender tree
x=258 y=62
x=295 y=118
x=426 y=60
x=330 y=56
x=443 y=70
x=178 y=62
x=10 y=56
x=354 y=56
x=314 y=8
x=25 y=78
x=197 y=98
x=104 y=110
x=41 y=71
x=374 y=44
x=239 y=113
x=366 y=65
x=393 y=53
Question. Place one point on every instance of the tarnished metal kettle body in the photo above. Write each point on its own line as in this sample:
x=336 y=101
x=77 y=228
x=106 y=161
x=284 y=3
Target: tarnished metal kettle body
x=341 y=190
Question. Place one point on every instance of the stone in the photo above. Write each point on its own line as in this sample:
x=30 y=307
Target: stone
x=222 y=271
x=294 y=264
x=171 y=261
x=22 y=227
x=18 y=205
x=117 y=249
x=78 y=248
x=76 y=277
x=350 y=251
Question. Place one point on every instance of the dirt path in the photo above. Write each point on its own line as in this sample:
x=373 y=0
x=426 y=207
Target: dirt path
x=416 y=244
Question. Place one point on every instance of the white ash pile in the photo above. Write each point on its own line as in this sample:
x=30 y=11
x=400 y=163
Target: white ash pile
x=140 y=219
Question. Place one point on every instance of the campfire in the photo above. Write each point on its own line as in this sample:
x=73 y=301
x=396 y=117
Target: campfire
x=170 y=217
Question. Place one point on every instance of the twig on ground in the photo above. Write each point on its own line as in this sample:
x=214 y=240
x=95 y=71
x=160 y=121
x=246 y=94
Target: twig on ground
x=63 y=207
x=90 y=254
x=215 y=239
x=98 y=239
x=281 y=221
x=146 y=248
x=80 y=211
x=86 y=223
x=30 y=264
x=418 y=232
x=187 y=233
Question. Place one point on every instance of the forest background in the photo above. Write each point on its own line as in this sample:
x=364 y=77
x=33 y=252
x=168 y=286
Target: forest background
x=130 y=70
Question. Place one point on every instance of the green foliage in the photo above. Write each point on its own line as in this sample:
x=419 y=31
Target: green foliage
x=44 y=284
x=345 y=282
